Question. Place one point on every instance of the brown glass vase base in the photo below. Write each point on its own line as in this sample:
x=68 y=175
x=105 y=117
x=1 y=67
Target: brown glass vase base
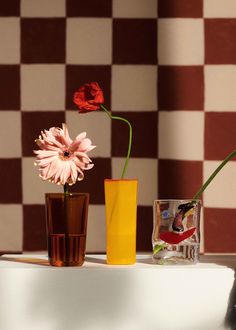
x=66 y=228
x=66 y=250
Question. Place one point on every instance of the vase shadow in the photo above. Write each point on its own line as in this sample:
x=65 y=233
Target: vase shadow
x=147 y=261
x=26 y=260
x=95 y=260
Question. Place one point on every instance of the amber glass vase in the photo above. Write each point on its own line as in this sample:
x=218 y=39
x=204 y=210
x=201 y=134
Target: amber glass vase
x=66 y=218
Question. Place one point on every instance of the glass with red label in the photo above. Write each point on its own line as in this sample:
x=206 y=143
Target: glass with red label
x=176 y=231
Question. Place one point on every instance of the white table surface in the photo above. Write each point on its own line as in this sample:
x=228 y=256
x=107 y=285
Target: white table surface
x=97 y=296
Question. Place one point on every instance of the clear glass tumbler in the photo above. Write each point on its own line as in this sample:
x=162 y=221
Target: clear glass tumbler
x=176 y=231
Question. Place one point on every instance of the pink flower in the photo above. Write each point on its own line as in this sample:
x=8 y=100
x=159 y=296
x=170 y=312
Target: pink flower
x=60 y=159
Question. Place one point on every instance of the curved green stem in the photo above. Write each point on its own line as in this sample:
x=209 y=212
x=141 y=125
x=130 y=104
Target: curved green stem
x=130 y=137
x=200 y=191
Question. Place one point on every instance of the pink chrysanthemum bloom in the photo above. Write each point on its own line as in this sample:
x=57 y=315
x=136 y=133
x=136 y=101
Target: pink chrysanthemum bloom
x=62 y=160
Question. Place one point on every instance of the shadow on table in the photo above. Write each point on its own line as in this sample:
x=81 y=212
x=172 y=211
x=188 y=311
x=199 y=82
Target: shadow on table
x=146 y=260
x=95 y=260
x=230 y=317
x=26 y=260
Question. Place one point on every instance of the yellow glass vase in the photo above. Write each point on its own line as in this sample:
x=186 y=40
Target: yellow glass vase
x=121 y=215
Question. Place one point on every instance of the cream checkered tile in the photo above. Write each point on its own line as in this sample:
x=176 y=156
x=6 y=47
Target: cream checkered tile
x=43 y=8
x=181 y=135
x=219 y=8
x=181 y=41
x=10 y=40
x=42 y=87
x=96 y=231
x=11 y=223
x=221 y=193
x=220 y=82
x=134 y=87
x=134 y=8
x=10 y=134
x=89 y=41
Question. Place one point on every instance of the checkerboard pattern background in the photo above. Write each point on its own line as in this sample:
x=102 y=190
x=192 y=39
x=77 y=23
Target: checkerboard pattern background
x=167 y=66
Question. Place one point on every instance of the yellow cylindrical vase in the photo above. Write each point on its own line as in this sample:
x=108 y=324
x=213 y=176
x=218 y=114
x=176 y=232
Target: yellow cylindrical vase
x=121 y=215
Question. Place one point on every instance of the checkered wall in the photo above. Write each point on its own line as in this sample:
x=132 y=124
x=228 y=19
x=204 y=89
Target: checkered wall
x=197 y=110
x=182 y=64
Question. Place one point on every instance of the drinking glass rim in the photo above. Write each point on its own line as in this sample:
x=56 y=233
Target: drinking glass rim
x=176 y=199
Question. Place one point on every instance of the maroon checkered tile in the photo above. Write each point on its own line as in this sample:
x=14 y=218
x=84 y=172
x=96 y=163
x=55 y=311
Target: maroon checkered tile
x=180 y=87
x=94 y=180
x=34 y=226
x=144 y=228
x=10 y=87
x=89 y=8
x=134 y=41
x=180 y=8
x=10 y=178
x=219 y=230
x=144 y=126
x=77 y=75
x=219 y=45
x=33 y=123
x=43 y=40
x=219 y=134
x=10 y=8
x=179 y=179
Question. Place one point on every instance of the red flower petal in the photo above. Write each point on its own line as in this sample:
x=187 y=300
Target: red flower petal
x=89 y=97
x=176 y=238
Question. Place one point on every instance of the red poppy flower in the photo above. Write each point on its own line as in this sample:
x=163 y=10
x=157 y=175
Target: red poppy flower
x=176 y=238
x=89 y=97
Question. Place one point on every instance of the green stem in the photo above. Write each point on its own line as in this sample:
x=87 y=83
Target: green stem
x=200 y=191
x=66 y=195
x=130 y=137
x=66 y=189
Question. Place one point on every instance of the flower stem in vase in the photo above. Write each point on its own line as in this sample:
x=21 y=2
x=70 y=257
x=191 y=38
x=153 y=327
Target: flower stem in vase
x=130 y=137
x=67 y=247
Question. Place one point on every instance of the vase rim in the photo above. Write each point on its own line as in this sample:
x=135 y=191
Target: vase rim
x=176 y=199
x=70 y=194
x=115 y=180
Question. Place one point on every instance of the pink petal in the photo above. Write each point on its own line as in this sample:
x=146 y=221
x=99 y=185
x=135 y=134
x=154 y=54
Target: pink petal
x=74 y=172
x=45 y=153
x=81 y=136
x=58 y=172
x=65 y=174
x=89 y=166
x=81 y=154
x=90 y=148
x=46 y=161
x=79 y=164
x=66 y=135
x=86 y=143
x=53 y=168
